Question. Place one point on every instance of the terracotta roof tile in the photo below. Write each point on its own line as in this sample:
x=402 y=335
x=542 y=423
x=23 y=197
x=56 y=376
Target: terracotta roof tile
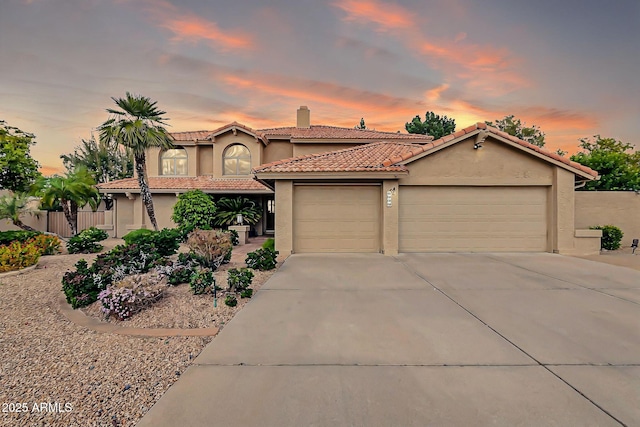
x=333 y=132
x=363 y=158
x=197 y=135
x=204 y=183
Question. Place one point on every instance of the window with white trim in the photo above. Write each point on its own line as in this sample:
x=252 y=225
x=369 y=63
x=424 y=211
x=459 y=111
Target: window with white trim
x=237 y=160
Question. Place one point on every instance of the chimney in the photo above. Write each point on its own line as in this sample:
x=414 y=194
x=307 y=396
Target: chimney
x=304 y=117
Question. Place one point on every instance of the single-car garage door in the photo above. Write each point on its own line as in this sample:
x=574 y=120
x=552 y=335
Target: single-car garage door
x=336 y=218
x=472 y=219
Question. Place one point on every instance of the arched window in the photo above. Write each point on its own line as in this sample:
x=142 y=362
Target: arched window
x=237 y=160
x=174 y=162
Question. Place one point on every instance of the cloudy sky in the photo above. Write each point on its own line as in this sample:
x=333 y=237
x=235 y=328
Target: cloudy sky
x=571 y=67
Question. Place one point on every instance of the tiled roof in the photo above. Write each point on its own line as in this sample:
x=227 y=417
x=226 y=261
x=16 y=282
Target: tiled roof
x=431 y=145
x=386 y=155
x=333 y=132
x=314 y=132
x=363 y=158
x=204 y=183
x=206 y=134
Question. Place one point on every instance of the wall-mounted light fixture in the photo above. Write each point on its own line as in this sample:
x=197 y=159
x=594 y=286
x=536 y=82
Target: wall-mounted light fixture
x=390 y=194
x=239 y=219
x=480 y=138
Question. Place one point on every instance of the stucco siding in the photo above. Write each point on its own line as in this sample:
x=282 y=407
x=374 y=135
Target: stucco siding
x=619 y=208
x=303 y=149
x=227 y=139
x=493 y=164
x=277 y=150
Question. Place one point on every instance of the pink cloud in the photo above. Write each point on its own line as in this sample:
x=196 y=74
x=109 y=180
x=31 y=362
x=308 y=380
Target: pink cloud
x=387 y=16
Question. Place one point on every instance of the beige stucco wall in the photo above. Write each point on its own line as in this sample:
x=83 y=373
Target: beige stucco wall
x=284 y=217
x=302 y=149
x=205 y=158
x=124 y=214
x=562 y=223
x=493 y=164
x=39 y=223
x=619 y=208
x=277 y=150
x=130 y=213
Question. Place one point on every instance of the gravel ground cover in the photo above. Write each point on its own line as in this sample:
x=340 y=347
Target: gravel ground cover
x=55 y=373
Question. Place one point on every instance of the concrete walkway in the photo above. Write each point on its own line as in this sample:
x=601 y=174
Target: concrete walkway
x=429 y=339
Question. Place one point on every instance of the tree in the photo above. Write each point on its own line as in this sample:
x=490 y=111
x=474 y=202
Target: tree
x=74 y=190
x=362 y=125
x=194 y=209
x=515 y=127
x=137 y=125
x=106 y=160
x=617 y=165
x=13 y=206
x=433 y=125
x=18 y=170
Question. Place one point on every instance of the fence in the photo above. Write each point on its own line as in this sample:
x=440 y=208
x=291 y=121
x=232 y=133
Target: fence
x=57 y=223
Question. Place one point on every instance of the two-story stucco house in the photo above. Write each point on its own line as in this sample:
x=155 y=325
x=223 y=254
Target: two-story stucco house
x=220 y=162
x=330 y=189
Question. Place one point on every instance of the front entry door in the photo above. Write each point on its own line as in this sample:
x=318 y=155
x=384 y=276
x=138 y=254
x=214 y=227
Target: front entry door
x=270 y=215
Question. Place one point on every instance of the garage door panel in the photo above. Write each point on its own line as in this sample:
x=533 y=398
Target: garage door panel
x=473 y=219
x=337 y=218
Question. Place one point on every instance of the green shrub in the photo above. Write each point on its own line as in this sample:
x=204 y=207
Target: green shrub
x=202 y=281
x=235 y=237
x=262 y=259
x=18 y=255
x=231 y=300
x=7 y=237
x=239 y=279
x=210 y=247
x=194 y=210
x=246 y=293
x=180 y=274
x=166 y=241
x=136 y=236
x=85 y=242
x=611 y=236
x=270 y=243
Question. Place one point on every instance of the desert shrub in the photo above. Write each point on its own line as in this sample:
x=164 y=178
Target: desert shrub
x=48 y=243
x=239 y=279
x=611 y=236
x=231 y=300
x=83 y=285
x=7 y=237
x=210 y=247
x=165 y=241
x=194 y=210
x=202 y=282
x=235 y=237
x=270 y=243
x=177 y=272
x=18 y=255
x=131 y=295
x=246 y=293
x=262 y=259
x=136 y=236
x=86 y=242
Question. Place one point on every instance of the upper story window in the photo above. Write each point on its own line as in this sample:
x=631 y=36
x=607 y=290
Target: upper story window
x=174 y=162
x=237 y=160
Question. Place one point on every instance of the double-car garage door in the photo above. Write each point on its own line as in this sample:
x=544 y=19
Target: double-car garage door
x=348 y=218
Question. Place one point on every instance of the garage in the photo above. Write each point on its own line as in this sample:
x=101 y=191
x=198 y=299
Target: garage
x=336 y=218
x=473 y=219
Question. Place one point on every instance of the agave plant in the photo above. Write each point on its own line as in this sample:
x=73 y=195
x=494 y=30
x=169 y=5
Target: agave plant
x=228 y=210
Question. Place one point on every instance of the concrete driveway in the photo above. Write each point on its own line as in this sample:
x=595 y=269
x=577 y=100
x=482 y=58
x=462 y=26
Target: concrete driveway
x=423 y=339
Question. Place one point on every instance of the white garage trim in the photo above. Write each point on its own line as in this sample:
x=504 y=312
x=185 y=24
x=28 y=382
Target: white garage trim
x=336 y=218
x=473 y=219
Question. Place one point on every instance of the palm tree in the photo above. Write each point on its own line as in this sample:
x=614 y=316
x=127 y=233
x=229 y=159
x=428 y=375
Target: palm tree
x=107 y=161
x=227 y=210
x=13 y=206
x=74 y=190
x=138 y=125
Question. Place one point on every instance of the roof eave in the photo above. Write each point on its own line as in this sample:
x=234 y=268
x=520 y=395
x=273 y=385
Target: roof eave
x=331 y=175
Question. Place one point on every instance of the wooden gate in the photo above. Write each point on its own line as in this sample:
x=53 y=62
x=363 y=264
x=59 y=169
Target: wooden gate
x=57 y=223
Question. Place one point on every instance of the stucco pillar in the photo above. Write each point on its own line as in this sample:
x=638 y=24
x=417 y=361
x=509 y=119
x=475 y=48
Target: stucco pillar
x=564 y=203
x=139 y=213
x=284 y=217
x=390 y=193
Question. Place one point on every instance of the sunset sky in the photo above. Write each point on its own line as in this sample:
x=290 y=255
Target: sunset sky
x=571 y=67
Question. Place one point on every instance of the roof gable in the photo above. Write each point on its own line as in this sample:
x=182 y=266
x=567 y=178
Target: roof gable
x=202 y=135
x=482 y=130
